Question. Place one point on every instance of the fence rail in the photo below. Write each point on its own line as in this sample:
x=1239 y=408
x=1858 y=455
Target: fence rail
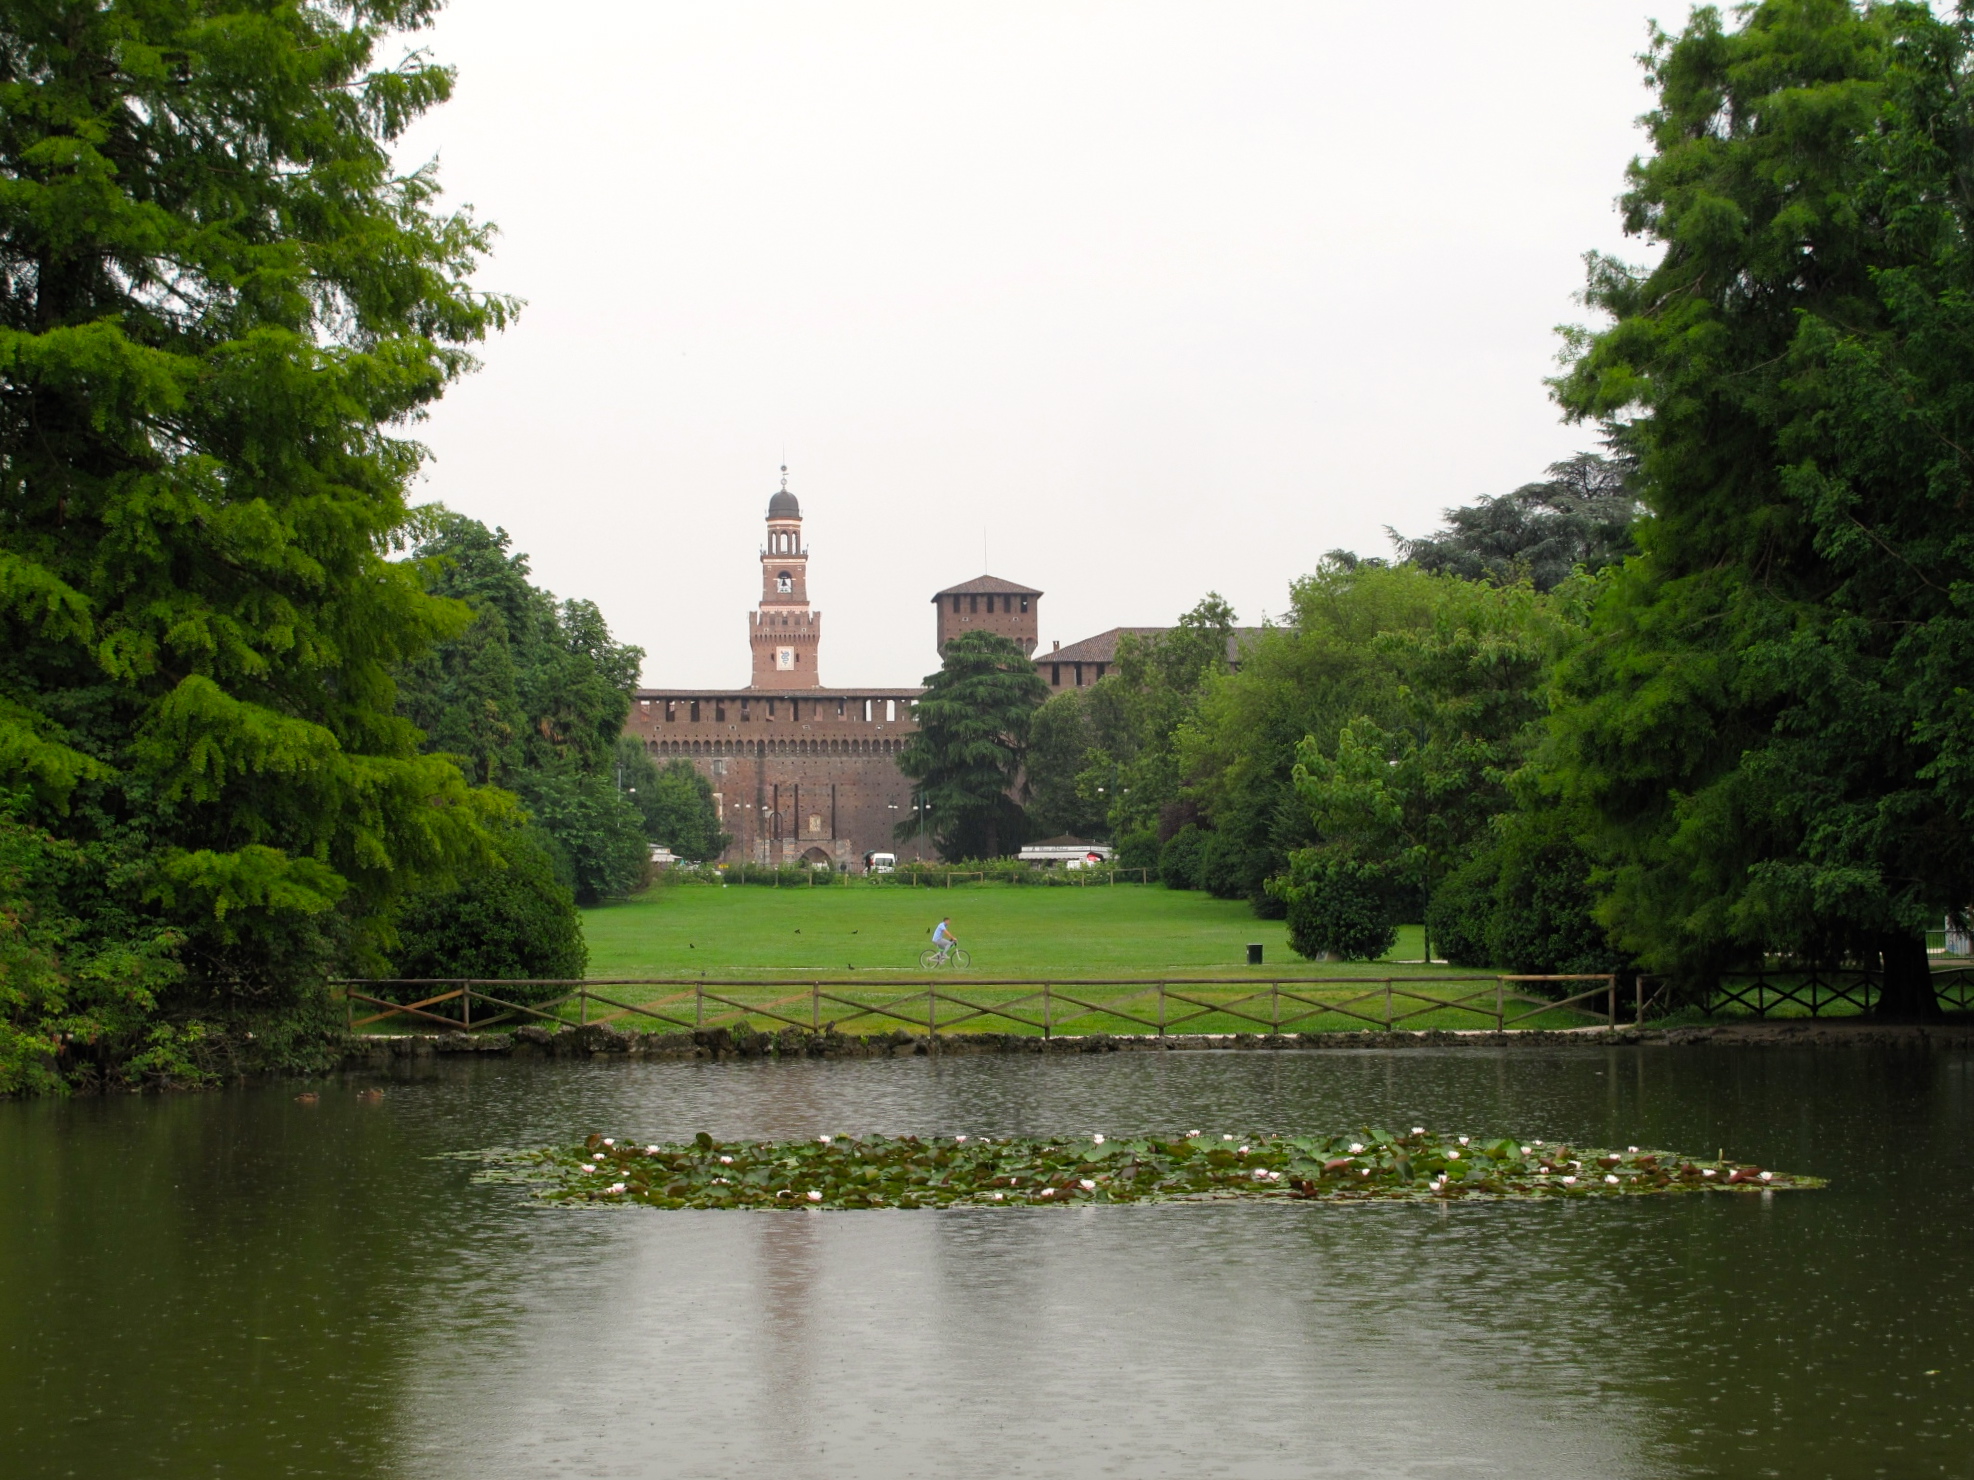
x=822 y=1005
x=1815 y=992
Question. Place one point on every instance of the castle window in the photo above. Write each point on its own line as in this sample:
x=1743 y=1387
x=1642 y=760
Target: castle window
x=771 y=709
x=1055 y=675
x=956 y=606
x=972 y=604
x=695 y=711
x=839 y=709
x=719 y=712
x=867 y=715
x=671 y=711
x=784 y=582
x=745 y=716
x=1024 y=606
x=890 y=711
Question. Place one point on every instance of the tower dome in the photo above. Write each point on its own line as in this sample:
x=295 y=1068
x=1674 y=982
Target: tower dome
x=783 y=504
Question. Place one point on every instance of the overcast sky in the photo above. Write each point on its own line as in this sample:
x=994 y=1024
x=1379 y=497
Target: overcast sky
x=1146 y=299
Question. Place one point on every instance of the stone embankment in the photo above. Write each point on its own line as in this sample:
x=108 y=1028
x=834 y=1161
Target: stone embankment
x=379 y=1050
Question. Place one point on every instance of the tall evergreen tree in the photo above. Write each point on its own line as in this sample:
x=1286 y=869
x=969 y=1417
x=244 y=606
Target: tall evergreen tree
x=1770 y=726
x=220 y=303
x=966 y=756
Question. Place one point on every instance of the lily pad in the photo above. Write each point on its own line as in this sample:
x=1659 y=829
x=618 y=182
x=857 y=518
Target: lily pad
x=953 y=1171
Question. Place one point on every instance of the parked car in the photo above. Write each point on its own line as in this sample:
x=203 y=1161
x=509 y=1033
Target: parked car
x=880 y=863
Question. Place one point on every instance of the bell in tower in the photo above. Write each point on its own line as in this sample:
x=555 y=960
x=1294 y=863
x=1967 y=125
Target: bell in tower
x=784 y=632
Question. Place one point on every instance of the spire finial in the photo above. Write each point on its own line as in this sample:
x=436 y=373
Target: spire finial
x=784 y=477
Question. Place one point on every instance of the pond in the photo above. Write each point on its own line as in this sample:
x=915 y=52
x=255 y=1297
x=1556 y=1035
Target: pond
x=242 y=1284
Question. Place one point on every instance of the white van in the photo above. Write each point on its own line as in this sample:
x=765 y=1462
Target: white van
x=880 y=863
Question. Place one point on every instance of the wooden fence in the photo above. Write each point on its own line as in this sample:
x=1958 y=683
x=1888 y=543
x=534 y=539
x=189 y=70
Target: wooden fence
x=1816 y=992
x=833 y=1004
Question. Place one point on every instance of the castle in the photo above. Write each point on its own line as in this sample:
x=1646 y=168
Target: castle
x=806 y=773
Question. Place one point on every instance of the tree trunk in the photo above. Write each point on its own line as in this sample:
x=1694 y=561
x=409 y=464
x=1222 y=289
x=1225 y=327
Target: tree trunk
x=1905 y=992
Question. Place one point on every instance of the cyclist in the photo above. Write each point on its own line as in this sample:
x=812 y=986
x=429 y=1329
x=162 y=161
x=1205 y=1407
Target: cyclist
x=944 y=939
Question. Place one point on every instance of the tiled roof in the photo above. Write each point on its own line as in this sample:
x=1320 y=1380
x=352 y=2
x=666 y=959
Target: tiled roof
x=1103 y=647
x=984 y=585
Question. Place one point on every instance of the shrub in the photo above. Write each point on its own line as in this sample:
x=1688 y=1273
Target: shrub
x=1139 y=849
x=1338 y=909
x=1179 y=860
x=1230 y=868
x=1542 y=900
x=1462 y=911
x=510 y=922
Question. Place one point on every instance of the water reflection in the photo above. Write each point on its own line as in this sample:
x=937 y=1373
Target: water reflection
x=239 y=1284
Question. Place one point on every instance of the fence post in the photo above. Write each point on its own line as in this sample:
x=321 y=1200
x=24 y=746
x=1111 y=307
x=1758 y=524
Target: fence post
x=1161 y=1009
x=1500 y=1018
x=932 y=1013
x=582 y=996
x=1274 y=1007
x=698 y=1006
x=466 y=1006
x=1612 y=982
x=815 y=1007
x=1387 y=1004
x=349 y=1007
x=1048 y=1018
x=1638 y=991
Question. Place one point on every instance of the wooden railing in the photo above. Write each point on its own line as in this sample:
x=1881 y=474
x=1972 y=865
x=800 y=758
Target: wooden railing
x=1046 y=1007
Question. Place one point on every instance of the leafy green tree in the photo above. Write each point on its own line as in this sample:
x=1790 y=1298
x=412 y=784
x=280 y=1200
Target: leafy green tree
x=967 y=754
x=1179 y=859
x=1060 y=739
x=676 y=803
x=1769 y=726
x=1339 y=908
x=516 y=920
x=532 y=697
x=1578 y=518
x=219 y=302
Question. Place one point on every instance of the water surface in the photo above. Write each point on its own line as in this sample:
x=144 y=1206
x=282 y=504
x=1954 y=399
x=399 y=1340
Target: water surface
x=241 y=1284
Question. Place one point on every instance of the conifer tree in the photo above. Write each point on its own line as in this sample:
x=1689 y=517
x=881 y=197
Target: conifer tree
x=973 y=730
x=220 y=307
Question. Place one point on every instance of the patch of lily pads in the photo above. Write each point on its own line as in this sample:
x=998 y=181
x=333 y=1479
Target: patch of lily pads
x=845 y=1172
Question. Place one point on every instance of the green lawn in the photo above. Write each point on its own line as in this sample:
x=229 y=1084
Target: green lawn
x=780 y=940
x=1011 y=931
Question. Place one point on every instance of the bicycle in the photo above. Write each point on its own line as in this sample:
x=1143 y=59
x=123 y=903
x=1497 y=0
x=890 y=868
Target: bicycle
x=933 y=958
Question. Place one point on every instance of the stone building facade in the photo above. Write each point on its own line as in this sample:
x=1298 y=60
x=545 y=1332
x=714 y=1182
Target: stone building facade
x=990 y=603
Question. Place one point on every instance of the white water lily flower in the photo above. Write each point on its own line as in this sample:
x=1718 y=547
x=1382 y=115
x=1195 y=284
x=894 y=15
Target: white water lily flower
x=1363 y=1171
x=1538 y=1143
x=1048 y=1192
x=1525 y=1151
x=651 y=1151
x=597 y=1157
x=1087 y=1185
x=959 y=1138
x=726 y=1161
x=815 y=1197
x=1632 y=1149
x=1098 y=1138
x=1706 y=1171
x=1418 y=1130
x=999 y=1195
x=1612 y=1180
x=1463 y=1140
x=825 y=1139
x=1452 y=1156
x=1226 y=1138
x=1569 y=1181
x=1768 y=1176
x=608 y=1142
x=1261 y=1174
x=617 y=1187
x=1192 y=1133
x=1242 y=1152
x=1356 y=1147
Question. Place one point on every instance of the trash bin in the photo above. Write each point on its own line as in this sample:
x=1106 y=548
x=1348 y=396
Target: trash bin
x=1253 y=954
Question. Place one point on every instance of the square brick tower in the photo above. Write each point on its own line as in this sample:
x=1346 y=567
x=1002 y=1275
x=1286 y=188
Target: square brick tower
x=782 y=631
x=990 y=602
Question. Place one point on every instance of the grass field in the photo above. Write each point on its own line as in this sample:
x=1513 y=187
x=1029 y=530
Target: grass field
x=872 y=935
x=1010 y=931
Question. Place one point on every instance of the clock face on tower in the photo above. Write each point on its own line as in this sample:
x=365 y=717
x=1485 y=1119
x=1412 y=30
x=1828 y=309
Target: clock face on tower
x=785 y=658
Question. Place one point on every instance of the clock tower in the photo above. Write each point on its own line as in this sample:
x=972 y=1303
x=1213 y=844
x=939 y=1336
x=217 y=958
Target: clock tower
x=783 y=632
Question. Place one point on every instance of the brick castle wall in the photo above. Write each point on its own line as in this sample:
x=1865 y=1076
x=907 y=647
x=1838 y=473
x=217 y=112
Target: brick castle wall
x=1017 y=616
x=808 y=775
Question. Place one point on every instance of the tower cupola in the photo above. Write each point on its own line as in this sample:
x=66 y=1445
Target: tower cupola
x=784 y=632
